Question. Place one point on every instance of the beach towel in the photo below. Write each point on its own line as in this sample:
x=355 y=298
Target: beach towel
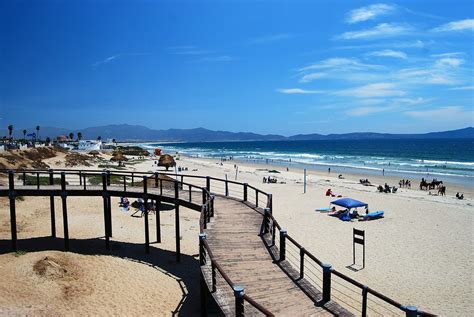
x=323 y=209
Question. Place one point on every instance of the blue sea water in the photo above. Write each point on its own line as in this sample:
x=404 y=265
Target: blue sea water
x=451 y=159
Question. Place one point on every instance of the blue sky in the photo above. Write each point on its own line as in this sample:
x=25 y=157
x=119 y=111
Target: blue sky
x=283 y=67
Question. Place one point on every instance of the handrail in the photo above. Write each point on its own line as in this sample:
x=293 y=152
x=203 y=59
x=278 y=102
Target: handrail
x=205 y=214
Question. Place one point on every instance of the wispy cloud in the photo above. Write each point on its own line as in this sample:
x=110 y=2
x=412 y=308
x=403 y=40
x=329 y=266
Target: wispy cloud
x=382 y=30
x=376 y=90
x=462 y=88
x=115 y=57
x=270 y=38
x=369 y=12
x=364 y=111
x=388 y=53
x=461 y=25
x=339 y=62
x=299 y=91
x=448 y=54
x=310 y=77
x=106 y=60
x=449 y=61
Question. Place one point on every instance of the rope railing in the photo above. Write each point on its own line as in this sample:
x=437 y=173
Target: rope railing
x=322 y=276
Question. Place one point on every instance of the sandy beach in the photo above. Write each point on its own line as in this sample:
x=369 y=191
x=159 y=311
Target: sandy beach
x=421 y=253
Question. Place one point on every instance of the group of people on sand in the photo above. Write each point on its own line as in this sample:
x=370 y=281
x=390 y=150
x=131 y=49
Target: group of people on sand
x=459 y=196
x=269 y=179
x=352 y=213
x=404 y=183
x=387 y=189
x=365 y=182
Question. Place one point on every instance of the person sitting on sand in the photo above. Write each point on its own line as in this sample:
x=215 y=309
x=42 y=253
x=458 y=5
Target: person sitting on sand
x=340 y=176
x=329 y=192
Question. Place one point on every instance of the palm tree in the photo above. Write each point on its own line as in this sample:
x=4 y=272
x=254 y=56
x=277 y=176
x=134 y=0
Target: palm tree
x=10 y=130
x=24 y=134
x=79 y=136
x=37 y=131
x=71 y=135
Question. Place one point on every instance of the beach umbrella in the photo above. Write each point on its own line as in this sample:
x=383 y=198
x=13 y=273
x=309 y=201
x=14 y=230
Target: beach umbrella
x=118 y=157
x=167 y=161
x=349 y=203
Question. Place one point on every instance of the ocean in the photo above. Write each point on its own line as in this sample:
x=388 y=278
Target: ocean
x=448 y=159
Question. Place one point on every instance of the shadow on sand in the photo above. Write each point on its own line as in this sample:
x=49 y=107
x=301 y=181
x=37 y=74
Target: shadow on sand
x=186 y=272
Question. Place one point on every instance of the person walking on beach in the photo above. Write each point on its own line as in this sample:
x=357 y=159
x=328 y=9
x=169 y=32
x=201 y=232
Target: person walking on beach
x=383 y=171
x=329 y=170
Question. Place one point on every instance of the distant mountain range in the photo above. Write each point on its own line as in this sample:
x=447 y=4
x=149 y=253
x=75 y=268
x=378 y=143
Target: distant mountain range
x=125 y=132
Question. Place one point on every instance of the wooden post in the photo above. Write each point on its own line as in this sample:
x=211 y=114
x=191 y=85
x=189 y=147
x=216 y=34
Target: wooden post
x=145 y=201
x=245 y=191
x=161 y=187
x=204 y=195
x=80 y=178
x=256 y=198
x=273 y=232
x=302 y=252
x=104 y=195
x=239 y=292
x=158 y=221
x=51 y=203
x=270 y=203
x=213 y=276
x=12 y=196
x=364 y=301
x=266 y=221
x=156 y=179
x=124 y=183
x=182 y=180
x=226 y=187
x=108 y=178
x=208 y=184
x=176 y=217
x=133 y=180
x=283 y=234
x=109 y=213
x=24 y=178
x=190 y=194
x=85 y=181
x=37 y=180
x=327 y=268
x=211 y=207
x=64 y=203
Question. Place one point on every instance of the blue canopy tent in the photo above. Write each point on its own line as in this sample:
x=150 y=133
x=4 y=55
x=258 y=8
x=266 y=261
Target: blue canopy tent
x=349 y=203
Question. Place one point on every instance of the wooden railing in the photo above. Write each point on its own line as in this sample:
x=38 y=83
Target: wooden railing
x=318 y=274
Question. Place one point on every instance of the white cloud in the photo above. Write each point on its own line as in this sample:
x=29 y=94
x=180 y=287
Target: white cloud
x=449 y=61
x=448 y=54
x=340 y=63
x=299 y=91
x=369 y=12
x=463 y=88
x=364 y=111
x=106 y=60
x=389 y=53
x=310 y=77
x=376 y=90
x=461 y=25
x=382 y=30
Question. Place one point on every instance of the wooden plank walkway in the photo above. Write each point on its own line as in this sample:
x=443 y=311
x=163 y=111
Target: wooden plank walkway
x=233 y=236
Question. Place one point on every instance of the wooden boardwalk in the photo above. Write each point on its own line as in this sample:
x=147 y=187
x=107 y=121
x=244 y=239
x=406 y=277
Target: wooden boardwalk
x=233 y=236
